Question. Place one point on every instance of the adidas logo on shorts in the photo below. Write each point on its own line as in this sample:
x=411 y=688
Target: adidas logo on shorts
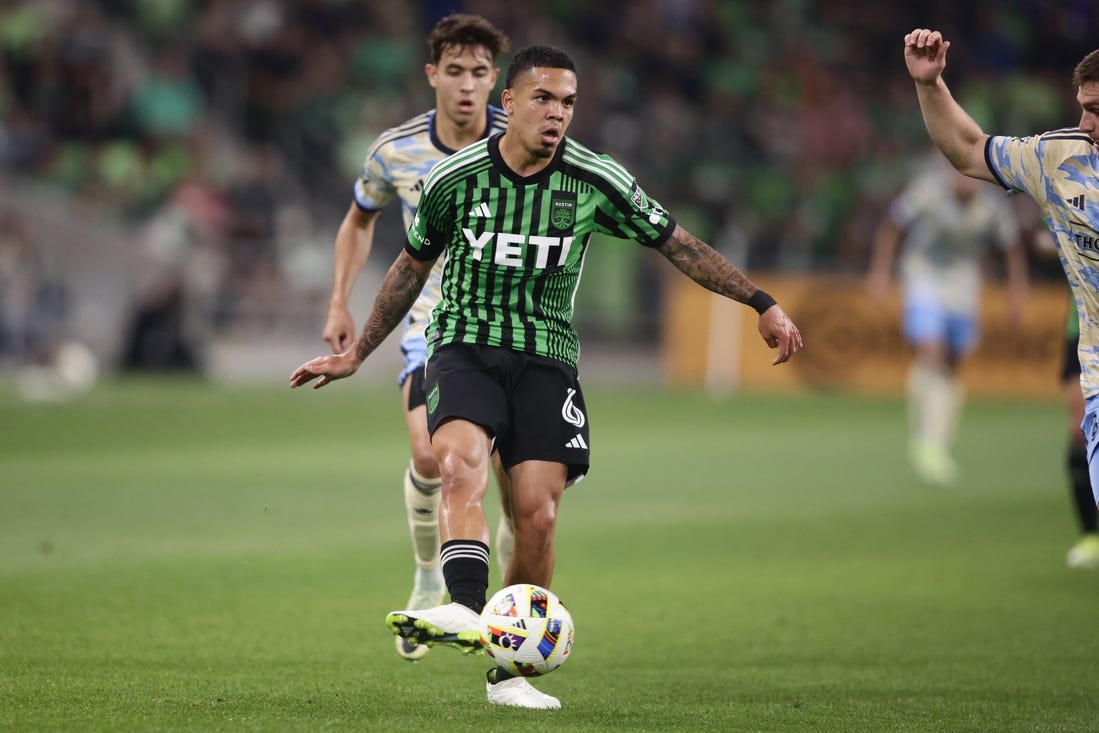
x=577 y=442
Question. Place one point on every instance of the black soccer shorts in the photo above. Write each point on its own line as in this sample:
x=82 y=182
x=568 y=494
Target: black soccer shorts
x=531 y=405
x=417 y=395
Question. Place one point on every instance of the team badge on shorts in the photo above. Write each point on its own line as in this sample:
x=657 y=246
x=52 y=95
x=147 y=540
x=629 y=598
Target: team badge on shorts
x=433 y=399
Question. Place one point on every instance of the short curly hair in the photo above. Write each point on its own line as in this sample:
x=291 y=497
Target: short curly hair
x=463 y=29
x=1087 y=70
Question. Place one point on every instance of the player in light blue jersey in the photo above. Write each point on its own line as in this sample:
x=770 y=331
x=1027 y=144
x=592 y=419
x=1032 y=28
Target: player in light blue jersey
x=1084 y=554
x=1058 y=169
x=463 y=51
x=941 y=224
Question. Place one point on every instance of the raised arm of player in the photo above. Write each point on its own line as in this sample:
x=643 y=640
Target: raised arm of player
x=702 y=263
x=402 y=285
x=353 y=242
x=951 y=128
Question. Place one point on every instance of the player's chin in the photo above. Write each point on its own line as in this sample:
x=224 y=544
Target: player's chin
x=547 y=145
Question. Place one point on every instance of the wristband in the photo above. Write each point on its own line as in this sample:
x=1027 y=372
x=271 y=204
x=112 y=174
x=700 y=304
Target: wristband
x=760 y=301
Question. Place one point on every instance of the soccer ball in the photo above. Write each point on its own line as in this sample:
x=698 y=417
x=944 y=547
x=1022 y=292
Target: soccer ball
x=526 y=630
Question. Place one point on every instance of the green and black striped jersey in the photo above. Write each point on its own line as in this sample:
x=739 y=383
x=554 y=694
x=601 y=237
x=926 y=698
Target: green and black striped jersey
x=515 y=246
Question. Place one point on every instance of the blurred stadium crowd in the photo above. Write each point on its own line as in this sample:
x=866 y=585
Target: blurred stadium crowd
x=219 y=140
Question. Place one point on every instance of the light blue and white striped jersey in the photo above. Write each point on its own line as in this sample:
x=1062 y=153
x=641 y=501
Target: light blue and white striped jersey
x=1060 y=170
x=396 y=166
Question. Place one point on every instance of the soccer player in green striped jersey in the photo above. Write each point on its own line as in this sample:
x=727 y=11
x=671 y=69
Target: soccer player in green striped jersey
x=463 y=49
x=513 y=215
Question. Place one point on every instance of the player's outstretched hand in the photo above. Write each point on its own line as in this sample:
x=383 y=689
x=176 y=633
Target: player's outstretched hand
x=325 y=369
x=925 y=54
x=780 y=333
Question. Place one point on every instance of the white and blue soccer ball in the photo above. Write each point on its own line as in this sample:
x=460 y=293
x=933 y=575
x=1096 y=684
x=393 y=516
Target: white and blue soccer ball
x=526 y=630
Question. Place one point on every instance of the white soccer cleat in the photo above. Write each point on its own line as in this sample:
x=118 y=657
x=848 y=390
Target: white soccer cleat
x=516 y=692
x=453 y=624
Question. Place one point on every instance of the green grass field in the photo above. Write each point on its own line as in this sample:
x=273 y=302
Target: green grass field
x=183 y=557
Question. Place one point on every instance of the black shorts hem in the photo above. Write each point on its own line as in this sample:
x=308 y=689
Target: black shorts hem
x=417 y=394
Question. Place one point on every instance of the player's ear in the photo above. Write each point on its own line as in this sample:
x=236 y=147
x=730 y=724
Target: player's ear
x=431 y=71
x=506 y=100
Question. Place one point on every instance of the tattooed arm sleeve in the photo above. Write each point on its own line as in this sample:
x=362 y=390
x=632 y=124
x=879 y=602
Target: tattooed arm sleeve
x=702 y=263
x=399 y=291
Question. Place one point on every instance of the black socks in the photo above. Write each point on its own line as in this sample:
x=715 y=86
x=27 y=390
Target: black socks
x=465 y=568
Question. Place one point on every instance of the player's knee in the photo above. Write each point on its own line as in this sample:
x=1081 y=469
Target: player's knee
x=453 y=462
x=536 y=524
x=462 y=473
x=424 y=463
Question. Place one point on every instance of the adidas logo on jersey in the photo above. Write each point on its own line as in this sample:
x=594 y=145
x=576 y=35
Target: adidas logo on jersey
x=577 y=442
x=479 y=211
x=1077 y=201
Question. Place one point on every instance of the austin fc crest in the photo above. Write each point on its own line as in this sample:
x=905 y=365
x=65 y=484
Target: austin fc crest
x=562 y=211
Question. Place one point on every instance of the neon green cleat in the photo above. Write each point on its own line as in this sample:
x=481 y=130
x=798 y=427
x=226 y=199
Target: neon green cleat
x=420 y=598
x=933 y=464
x=452 y=625
x=1084 y=555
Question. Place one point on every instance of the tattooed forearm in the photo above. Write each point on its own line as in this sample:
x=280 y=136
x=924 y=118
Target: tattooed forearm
x=402 y=285
x=701 y=262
